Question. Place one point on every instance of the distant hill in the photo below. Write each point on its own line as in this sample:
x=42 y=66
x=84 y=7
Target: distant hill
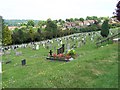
x=17 y=22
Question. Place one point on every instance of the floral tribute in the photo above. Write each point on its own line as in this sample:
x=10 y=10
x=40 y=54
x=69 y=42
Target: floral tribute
x=70 y=55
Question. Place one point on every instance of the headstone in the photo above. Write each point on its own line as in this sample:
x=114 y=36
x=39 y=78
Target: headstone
x=37 y=47
x=7 y=52
x=61 y=50
x=18 y=53
x=63 y=47
x=74 y=46
x=50 y=46
x=54 y=48
x=61 y=42
x=44 y=45
x=51 y=41
x=91 y=39
x=50 y=52
x=23 y=62
x=68 y=46
x=47 y=47
x=33 y=48
x=8 y=62
x=78 y=44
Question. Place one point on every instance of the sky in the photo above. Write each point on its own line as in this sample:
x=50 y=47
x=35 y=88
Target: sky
x=55 y=9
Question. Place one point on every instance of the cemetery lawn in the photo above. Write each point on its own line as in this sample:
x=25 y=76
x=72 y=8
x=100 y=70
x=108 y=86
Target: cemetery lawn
x=93 y=68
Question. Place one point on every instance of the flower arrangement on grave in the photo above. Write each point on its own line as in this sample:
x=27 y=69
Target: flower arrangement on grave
x=59 y=56
x=54 y=55
x=71 y=53
x=67 y=57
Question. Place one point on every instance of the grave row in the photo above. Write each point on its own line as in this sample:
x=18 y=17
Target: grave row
x=80 y=38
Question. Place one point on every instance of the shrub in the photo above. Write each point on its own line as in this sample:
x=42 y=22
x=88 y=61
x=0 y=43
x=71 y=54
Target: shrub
x=105 y=29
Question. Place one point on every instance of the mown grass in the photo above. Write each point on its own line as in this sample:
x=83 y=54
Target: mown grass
x=93 y=68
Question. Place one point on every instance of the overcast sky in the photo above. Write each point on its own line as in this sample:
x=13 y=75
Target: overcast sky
x=55 y=9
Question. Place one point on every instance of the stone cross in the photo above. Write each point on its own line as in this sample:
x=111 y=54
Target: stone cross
x=50 y=52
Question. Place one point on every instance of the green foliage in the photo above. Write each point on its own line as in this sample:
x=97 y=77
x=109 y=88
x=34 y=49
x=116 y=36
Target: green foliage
x=39 y=30
x=1 y=26
x=117 y=13
x=48 y=29
x=89 y=18
x=71 y=52
x=51 y=27
x=31 y=34
x=81 y=19
x=89 y=28
x=114 y=25
x=76 y=19
x=105 y=29
x=30 y=23
x=41 y=23
x=37 y=36
x=6 y=34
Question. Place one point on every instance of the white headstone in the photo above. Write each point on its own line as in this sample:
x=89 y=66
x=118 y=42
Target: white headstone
x=78 y=44
x=68 y=46
x=51 y=41
x=37 y=47
x=91 y=39
x=61 y=42
x=83 y=39
x=44 y=45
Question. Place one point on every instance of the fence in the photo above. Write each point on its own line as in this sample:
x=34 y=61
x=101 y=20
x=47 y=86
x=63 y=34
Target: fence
x=107 y=39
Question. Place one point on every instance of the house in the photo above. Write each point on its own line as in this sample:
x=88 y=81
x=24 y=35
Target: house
x=12 y=27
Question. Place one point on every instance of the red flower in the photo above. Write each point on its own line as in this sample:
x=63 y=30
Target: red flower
x=68 y=57
x=54 y=55
x=60 y=55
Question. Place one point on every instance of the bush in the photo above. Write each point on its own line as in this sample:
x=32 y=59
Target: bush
x=105 y=29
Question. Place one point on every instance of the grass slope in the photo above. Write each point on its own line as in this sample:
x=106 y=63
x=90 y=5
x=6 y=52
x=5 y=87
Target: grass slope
x=96 y=67
x=93 y=68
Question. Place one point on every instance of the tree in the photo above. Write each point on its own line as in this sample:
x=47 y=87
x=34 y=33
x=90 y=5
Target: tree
x=31 y=34
x=82 y=20
x=39 y=30
x=60 y=20
x=1 y=26
x=105 y=29
x=37 y=36
x=88 y=18
x=30 y=23
x=41 y=23
x=118 y=11
x=71 y=19
x=7 y=36
x=51 y=27
x=16 y=37
x=76 y=19
x=67 y=20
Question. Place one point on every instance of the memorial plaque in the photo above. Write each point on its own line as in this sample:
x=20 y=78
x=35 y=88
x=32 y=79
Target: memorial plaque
x=23 y=62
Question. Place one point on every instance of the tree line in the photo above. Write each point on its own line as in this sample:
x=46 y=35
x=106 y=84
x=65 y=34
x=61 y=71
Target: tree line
x=45 y=30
